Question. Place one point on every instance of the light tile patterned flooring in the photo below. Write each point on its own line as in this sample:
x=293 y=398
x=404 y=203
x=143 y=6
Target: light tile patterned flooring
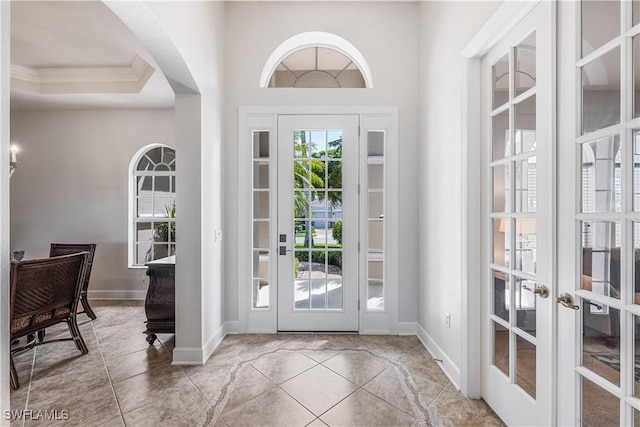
x=250 y=380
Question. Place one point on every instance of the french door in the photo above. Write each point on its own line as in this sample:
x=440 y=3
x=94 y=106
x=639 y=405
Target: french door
x=599 y=214
x=518 y=207
x=317 y=222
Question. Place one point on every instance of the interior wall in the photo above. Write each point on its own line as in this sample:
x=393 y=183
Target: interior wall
x=445 y=29
x=71 y=185
x=386 y=35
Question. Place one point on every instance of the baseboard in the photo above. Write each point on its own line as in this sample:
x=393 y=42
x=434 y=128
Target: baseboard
x=117 y=295
x=197 y=356
x=407 y=328
x=446 y=364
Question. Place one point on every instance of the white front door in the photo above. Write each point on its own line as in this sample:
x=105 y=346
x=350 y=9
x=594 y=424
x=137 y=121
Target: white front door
x=318 y=222
x=518 y=206
x=599 y=213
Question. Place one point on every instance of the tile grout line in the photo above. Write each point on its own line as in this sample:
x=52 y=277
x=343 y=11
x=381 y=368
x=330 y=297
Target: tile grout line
x=33 y=368
x=104 y=363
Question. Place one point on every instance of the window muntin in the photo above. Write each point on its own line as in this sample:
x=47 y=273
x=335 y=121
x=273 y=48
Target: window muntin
x=153 y=208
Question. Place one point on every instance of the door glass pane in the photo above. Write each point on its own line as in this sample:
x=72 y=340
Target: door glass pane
x=501 y=239
x=526 y=305
x=501 y=184
x=636 y=171
x=261 y=145
x=318 y=206
x=636 y=262
x=600 y=23
x=375 y=174
x=526 y=180
x=375 y=144
x=601 y=257
x=501 y=348
x=260 y=175
x=526 y=365
x=636 y=76
x=601 y=91
x=599 y=407
x=636 y=353
x=260 y=294
x=375 y=283
x=526 y=125
x=501 y=81
x=526 y=245
x=602 y=175
x=601 y=340
x=501 y=295
x=260 y=204
x=525 y=77
x=500 y=132
x=261 y=234
x=376 y=221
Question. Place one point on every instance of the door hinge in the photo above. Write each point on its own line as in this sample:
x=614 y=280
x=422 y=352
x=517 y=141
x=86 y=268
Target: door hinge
x=358 y=305
x=358 y=189
x=358 y=131
x=358 y=246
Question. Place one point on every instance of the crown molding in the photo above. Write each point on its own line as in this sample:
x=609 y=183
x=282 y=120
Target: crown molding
x=59 y=80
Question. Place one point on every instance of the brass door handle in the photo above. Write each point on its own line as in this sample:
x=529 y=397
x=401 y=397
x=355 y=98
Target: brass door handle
x=566 y=300
x=541 y=290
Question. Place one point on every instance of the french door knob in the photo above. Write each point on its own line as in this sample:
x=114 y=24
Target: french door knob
x=541 y=290
x=566 y=300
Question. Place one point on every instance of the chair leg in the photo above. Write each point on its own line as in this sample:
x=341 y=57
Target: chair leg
x=15 y=384
x=41 y=333
x=77 y=337
x=87 y=308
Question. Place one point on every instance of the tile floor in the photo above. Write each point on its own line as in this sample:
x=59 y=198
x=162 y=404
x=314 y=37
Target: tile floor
x=261 y=380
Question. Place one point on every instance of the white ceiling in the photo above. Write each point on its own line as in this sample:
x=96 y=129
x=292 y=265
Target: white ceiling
x=55 y=44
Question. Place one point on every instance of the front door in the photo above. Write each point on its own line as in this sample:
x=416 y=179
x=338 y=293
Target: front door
x=318 y=222
x=518 y=204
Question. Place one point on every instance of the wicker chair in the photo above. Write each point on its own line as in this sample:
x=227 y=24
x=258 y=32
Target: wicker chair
x=58 y=249
x=45 y=292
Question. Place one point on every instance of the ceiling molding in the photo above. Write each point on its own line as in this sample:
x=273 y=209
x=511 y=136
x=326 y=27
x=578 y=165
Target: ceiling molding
x=62 y=80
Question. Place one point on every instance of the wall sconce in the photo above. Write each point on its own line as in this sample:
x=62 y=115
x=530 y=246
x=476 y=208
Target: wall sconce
x=13 y=162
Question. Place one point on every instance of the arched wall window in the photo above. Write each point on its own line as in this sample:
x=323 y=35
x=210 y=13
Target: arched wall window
x=316 y=60
x=152 y=209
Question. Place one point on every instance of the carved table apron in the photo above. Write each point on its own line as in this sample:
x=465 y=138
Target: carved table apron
x=159 y=305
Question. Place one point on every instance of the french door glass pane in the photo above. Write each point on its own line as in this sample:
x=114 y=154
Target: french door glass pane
x=501 y=239
x=601 y=340
x=636 y=170
x=526 y=305
x=636 y=75
x=526 y=245
x=501 y=184
x=526 y=180
x=525 y=60
x=600 y=23
x=501 y=295
x=525 y=113
x=602 y=175
x=501 y=347
x=501 y=73
x=636 y=12
x=601 y=257
x=601 y=91
x=599 y=407
x=526 y=365
x=636 y=353
x=500 y=132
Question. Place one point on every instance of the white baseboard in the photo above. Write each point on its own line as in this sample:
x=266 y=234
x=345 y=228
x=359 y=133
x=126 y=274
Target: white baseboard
x=199 y=356
x=117 y=295
x=447 y=365
x=407 y=328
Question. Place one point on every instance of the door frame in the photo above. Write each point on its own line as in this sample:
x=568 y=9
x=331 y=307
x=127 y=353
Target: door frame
x=504 y=19
x=265 y=118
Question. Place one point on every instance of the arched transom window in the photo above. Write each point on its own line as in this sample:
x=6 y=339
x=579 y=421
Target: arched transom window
x=317 y=67
x=152 y=204
x=316 y=59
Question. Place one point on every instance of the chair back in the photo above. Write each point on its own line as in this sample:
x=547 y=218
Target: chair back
x=58 y=249
x=45 y=290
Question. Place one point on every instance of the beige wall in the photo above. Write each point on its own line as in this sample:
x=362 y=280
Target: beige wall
x=71 y=186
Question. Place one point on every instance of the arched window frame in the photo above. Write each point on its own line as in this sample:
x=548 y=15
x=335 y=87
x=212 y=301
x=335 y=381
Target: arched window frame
x=315 y=39
x=134 y=219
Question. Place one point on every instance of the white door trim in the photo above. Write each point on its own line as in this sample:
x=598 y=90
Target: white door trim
x=499 y=24
x=264 y=118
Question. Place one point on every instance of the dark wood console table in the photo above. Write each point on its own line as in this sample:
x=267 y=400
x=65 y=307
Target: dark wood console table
x=160 y=304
